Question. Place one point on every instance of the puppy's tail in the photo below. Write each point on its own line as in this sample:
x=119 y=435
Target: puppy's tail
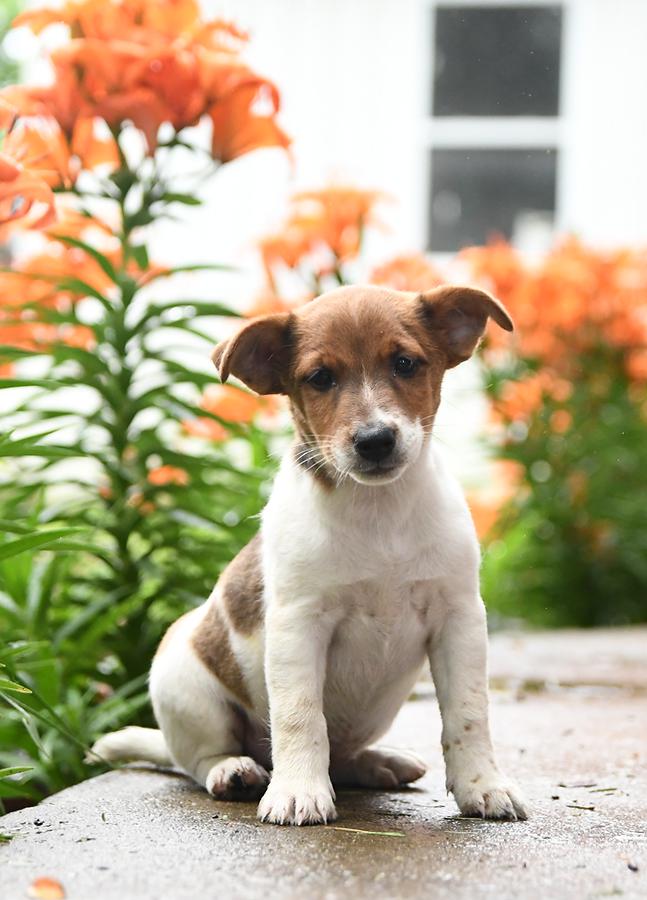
x=132 y=744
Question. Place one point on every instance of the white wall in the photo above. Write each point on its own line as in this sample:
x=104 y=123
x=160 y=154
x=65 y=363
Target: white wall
x=604 y=174
x=350 y=76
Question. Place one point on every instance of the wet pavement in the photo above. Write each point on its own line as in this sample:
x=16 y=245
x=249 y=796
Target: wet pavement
x=569 y=716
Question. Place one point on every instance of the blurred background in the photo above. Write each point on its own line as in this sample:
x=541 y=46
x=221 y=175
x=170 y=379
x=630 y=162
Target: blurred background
x=197 y=177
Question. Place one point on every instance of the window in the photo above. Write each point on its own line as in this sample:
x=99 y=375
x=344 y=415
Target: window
x=493 y=133
x=477 y=192
x=497 y=61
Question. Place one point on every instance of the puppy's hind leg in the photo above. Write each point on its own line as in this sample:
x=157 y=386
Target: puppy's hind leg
x=201 y=726
x=381 y=768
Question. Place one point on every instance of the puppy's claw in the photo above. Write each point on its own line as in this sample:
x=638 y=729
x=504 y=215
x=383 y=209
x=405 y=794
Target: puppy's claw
x=287 y=806
x=491 y=800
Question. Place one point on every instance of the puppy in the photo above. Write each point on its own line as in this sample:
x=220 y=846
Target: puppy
x=366 y=564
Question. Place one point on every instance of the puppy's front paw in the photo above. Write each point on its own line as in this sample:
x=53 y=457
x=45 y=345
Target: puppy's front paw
x=286 y=803
x=489 y=797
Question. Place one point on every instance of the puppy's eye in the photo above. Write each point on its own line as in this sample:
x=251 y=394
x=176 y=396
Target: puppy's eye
x=405 y=366
x=321 y=379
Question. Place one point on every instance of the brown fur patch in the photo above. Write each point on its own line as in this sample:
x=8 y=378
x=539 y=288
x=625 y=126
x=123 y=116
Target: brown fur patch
x=357 y=333
x=241 y=586
x=212 y=644
x=310 y=459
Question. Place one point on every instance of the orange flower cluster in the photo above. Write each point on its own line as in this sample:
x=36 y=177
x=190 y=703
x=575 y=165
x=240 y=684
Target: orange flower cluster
x=22 y=324
x=231 y=404
x=27 y=292
x=151 y=62
x=330 y=221
x=576 y=300
x=41 y=139
x=519 y=399
x=486 y=502
x=407 y=273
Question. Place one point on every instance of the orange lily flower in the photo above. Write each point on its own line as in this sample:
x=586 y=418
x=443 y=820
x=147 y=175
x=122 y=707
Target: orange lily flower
x=25 y=196
x=149 y=62
x=407 y=273
x=332 y=219
x=231 y=403
x=574 y=300
x=163 y=475
x=208 y=429
x=244 y=120
x=342 y=213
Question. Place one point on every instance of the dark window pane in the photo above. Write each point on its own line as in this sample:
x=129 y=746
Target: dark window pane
x=500 y=61
x=476 y=194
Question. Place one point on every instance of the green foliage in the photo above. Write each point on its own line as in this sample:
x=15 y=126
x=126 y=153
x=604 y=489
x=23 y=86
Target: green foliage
x=97 y=557
x=571 y=547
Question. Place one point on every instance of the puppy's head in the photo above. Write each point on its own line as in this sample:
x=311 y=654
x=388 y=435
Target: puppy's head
x=363 y=368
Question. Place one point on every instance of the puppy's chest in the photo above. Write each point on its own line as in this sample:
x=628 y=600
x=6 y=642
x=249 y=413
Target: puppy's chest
x=384 y=618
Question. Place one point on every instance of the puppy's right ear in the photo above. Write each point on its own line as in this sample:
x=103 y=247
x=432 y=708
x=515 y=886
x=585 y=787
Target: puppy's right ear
x=259 y=354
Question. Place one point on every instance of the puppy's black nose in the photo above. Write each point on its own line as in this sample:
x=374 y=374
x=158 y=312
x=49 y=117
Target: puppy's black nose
x=374 y=443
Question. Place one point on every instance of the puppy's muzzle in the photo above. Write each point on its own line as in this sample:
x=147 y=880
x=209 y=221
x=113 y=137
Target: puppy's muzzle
x=375 y=443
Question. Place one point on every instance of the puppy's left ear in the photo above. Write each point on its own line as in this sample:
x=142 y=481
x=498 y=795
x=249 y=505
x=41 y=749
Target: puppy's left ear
x=457 y=316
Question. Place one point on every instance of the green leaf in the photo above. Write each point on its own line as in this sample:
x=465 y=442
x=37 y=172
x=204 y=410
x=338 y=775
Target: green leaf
x=49 y=383
x=15 y=770
x=91 y=612
x=7 y=351
x=197 y=267
x=140 y=255
x=7 y=685
x=63 y=283
x=78 y=286
x=35 y=541
x=46 y=451
x=24 y=648
x=186 y=199
x=90 y=362
x=17 y=789
x=33 y=446
x=49 y=716
x=98 y=257
x=192 y=308
x=8 y=525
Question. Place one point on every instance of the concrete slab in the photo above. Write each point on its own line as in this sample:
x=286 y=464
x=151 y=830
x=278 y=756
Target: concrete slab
x=603 y=656
x=580 y=753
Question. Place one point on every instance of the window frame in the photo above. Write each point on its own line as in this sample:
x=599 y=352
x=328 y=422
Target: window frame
x=489 y=132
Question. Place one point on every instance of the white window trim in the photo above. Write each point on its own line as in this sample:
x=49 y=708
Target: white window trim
x=491 y=132
x=485 y=132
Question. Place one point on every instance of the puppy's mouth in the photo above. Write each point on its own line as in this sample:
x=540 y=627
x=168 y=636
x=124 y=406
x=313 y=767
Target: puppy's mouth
x=382 y=472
